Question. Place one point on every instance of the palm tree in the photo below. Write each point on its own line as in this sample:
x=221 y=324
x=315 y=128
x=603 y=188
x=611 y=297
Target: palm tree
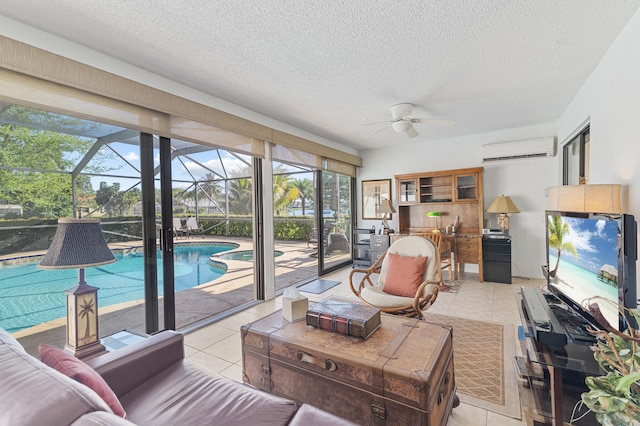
x=557 y=231
x=86 y=308
x=305 y=191
x=240 y=192
x=283 y=192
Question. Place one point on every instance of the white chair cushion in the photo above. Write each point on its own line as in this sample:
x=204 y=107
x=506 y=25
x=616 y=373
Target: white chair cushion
x=412 y=246
x=374 y=295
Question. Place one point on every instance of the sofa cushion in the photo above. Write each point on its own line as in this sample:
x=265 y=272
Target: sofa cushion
x=308 y=415
x=404 y=275
x=35 y=394
x=73 y=367
x=101 y=418
x=7 y=339
x=187 y=394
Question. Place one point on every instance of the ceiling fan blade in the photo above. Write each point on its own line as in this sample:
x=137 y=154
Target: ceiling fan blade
x=377 y=131
x=440 y=121
x=412 y=132
x=377 y=122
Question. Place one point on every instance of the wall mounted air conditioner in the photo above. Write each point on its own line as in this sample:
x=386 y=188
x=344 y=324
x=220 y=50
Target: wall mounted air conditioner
x=544 y=147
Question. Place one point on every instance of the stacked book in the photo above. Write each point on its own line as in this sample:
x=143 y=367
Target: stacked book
x=343 y=317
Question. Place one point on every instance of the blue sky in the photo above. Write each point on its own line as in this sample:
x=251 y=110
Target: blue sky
x=179 y=173
x=595 y=240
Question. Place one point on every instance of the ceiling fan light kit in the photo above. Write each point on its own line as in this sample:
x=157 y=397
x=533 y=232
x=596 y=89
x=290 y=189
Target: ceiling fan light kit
x=403 y=123
x=401 y=126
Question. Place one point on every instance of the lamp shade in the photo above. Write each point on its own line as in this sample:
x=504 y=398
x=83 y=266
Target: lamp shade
x=386 y=207
x=78 y=243
x=502 y=204
x=598 y=198
x=433 y=214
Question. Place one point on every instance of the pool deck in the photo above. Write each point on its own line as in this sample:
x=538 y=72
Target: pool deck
x=210 y=301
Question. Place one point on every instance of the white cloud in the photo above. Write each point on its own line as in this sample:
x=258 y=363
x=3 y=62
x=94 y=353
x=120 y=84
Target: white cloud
x=131 y=156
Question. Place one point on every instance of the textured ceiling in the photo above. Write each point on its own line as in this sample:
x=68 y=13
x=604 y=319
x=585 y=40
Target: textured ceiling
x=329 y=67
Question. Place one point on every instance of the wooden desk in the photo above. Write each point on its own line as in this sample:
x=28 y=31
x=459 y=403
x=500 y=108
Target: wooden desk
x=467 y=249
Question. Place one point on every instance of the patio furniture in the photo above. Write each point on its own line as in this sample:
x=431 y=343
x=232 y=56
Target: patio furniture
x=404 y=280
x=178 y=229
x=193 y=228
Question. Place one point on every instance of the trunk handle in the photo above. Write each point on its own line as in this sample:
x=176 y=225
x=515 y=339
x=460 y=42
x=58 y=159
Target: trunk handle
x=325 y=364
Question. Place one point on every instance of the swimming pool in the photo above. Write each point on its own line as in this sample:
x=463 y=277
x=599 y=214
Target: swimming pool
x=31 y=296
x=246 y=255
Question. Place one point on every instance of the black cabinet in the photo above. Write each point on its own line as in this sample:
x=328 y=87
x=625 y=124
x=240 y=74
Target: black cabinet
x=496 y=258
x=361 y=248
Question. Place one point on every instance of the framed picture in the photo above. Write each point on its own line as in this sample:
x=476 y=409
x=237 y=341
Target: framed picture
x=373 y=192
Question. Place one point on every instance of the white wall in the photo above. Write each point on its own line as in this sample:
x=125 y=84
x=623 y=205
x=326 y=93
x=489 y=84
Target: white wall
x=611 y=99
x=524 y=181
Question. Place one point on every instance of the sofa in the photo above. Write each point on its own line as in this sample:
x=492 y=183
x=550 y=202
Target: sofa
x=152 y=381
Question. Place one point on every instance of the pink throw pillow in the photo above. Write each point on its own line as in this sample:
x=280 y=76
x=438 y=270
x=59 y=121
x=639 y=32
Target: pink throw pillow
x=404 y=275
x=72 y=367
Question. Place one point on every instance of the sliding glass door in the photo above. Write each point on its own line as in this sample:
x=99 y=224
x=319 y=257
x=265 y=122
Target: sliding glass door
x=335 y=220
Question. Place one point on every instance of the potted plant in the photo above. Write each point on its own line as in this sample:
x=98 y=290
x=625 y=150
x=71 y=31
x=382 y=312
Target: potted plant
x=615 y=397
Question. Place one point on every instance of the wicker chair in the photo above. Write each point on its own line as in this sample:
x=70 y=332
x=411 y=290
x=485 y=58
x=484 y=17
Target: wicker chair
x=370 y=287
x=445 y=249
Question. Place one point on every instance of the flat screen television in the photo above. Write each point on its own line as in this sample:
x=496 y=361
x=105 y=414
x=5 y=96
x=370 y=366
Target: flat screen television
x=593 y=255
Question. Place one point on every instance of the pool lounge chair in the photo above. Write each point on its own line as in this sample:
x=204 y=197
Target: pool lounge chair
x=193 y=228
x=178 y=229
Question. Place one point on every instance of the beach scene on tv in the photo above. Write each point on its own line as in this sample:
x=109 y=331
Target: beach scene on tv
x=583 y=261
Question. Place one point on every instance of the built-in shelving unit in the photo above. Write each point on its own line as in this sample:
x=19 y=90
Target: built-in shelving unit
x=450 y=192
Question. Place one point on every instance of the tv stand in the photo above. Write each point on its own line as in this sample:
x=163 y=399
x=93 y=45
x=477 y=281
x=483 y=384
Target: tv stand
x=557 y=343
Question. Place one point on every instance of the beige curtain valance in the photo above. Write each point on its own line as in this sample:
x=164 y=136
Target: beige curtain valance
x=149 y=109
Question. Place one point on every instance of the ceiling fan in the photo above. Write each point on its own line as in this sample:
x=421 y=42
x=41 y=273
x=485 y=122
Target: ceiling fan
x=403 y=122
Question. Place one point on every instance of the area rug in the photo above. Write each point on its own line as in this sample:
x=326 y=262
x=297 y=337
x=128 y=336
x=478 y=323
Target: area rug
x=318 y=286
x=451 y=287
x=483 y=354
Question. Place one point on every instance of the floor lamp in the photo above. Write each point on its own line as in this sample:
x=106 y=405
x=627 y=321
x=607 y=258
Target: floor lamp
x=79 y=243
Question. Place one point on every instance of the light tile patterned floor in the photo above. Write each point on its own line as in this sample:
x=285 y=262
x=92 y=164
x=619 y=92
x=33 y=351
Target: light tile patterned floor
x=217 y=346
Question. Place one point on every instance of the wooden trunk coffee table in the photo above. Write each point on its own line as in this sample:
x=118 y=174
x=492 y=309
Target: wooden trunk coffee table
x=402 y=375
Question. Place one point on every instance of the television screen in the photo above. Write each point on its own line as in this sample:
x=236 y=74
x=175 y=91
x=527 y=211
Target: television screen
x=584 y=260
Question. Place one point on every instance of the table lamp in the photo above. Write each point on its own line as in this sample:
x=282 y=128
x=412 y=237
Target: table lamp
x=387 y=209
x=503 y=205
x=436 y=216
x=79 y=243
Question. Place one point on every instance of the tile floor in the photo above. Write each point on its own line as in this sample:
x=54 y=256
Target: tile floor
x=217 y=347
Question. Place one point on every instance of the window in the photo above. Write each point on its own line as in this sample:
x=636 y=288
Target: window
x=576 y=159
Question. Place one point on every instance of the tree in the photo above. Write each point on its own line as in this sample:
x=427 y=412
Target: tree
x=557 y=231
x=240 y=191
x=109 y=198
x=283 y=192
x=39 y=161
x=210 y=188
x=305 y=192
x=130 y=198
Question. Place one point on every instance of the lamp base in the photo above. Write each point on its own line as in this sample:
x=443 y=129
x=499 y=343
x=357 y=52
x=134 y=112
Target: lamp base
x=503 y=222
x=86 y=352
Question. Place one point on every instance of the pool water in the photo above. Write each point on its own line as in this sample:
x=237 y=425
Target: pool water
x=31 y=296
x=246 y=255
